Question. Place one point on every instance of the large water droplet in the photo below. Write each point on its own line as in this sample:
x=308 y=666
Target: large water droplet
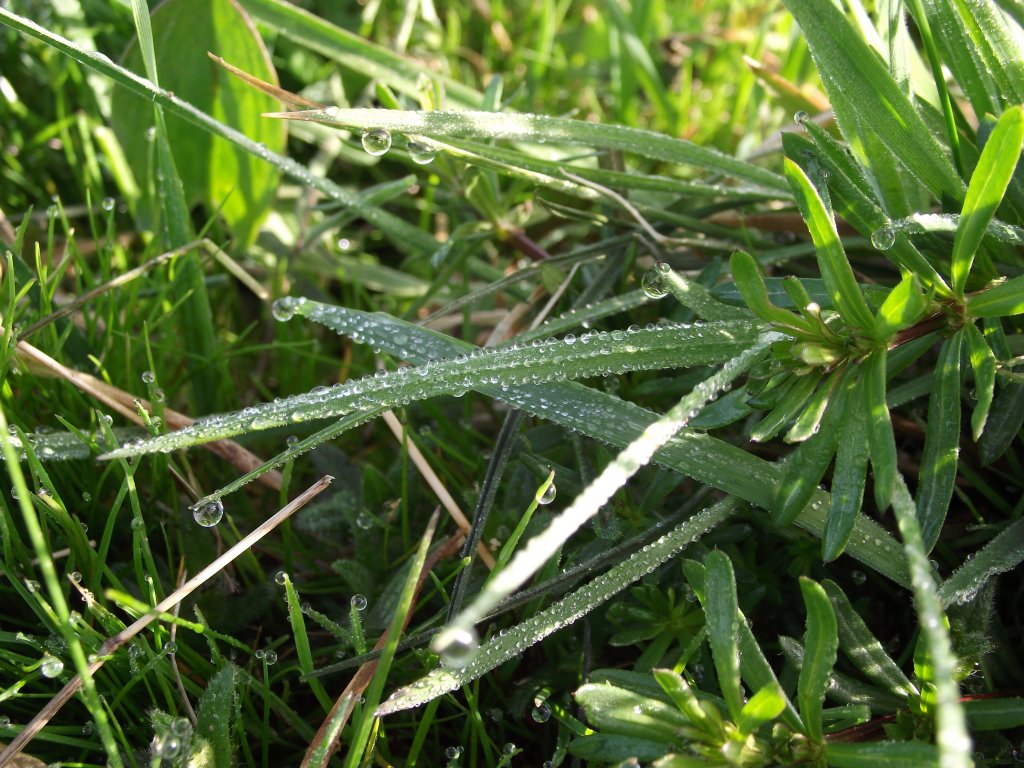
x=541 y=713
x=456 y=646
x=209 y=513
x=801 y=117
x=376 y=141
x=883 y=238
x=549 y=495
x=51 y=666
x=281 y=577
x=108 y=204
x=282 y=310
x=653 y=283
x=148 y=377
x=359 y=602
x=270 y=657
x=420 y=152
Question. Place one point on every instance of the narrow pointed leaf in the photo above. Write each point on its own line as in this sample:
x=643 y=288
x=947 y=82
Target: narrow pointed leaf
x=881 y=754
x=941 y=443
x=835 y=268
x=788 y=407
x=677 y=689
x=722 y=616
x=1001 y=555
x=1006 y=298
x=616 y=710
x=903 y=307
x=983 y=361
x=752 y=288
x=820 y=643
x=848 y=479
x=984 y=194
x=843 y=688
x=881 y=440
x=218 y=709
x=695 y=296
x=1007 y=417
x=763 y=707
x=995 y=714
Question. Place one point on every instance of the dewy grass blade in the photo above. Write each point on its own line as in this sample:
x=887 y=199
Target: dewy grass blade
x=950 y=726
x=1004 y=299
x=820 y=643
x=558 y=359
x=881 y=439
x=984 y=194
x=635 y=456
x=1001 y=555
x=723 y=620
x=440 y=125
x=941 y=443
x=501 y=648
x=848 y=479
x=983 y=361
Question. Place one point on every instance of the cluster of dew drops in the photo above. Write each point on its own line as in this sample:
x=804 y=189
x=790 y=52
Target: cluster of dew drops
x=377 y=142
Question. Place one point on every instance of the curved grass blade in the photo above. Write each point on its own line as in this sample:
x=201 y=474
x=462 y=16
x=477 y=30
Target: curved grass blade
x=1003 y=299
x=754 y=291
x=820 y=643
x=984 y=194
x=567 y=610
x=763 y=707
x=721 y=612
x=862 y=648
x=630 y=460
x=983 y=361
x=941 y=443
x=881 y=440
x=950 y=726
x=835 y=268
x=441 y=125
x=787 y=408
x=804 y=469
x=848 y=479
x=695 y=296
x=590 y=355
x=1001 y=555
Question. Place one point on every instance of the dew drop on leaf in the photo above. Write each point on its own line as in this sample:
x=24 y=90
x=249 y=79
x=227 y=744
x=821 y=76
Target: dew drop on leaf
x=549 y=495
x=282 y=310
x=883 y=238
x=420 y=153
x=209 y=513
x=51 y=666
x=653 y=283
x=376 y=141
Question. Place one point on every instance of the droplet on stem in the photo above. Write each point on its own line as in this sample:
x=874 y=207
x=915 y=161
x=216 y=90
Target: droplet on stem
x=208 y=514
x=376 y=141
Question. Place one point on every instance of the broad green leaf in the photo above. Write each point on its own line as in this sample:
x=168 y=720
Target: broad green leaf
x=983 y=361
x=985 y=192
x=592 y=353
x=1006 y=298
x=1001 y=555
x=941 y=443
x=787 y=408
x=820 y=643
x=951 y=729
x=848 y=478
x=835 y=268
x=881 y=440
x=903 y=307
x=752 y=288
x=763 y=707
x=866 y=99
x=881 y=754
x=863 y=648
x=615 y=710
x=218 y=708
x=995 y=714
x=501 y=648
x=721 y=612
x=223 y=177
x=601 y=747
x=441 y=125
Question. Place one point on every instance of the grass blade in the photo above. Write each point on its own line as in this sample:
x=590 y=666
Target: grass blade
x=1004 y=299
x=941 y=444
x=881 y=754
x=848 y=479
x=721 y=611
x=988 y=184
x=983 y=361
x=820 y=643
x=1001 y=555
x=881 y=440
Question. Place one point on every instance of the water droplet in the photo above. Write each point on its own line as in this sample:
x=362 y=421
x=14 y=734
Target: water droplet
x=170 y=647
x=495 y=714
x=376 y=141
x=509 y=748
x=108 y=204
x=270 y=657
x=138 y=523
x=549 y=495
x=883 y=238
x=452 y=753
x=456 y=646
x=76 y=577
x=171 y=747
x=281 y=577
x=148 y=377
x=541 y=713
x=858 y=577
x=359 y=602
x=282 y=310
x=5 y=722
x=181 y=727
x=209 y=513
x=51 y=666
x=420 y=152
x=364 y=520
x=801 y=117
x=291 y=441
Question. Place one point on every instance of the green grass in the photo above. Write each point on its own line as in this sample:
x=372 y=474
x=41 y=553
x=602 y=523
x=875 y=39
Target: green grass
x=697 y=392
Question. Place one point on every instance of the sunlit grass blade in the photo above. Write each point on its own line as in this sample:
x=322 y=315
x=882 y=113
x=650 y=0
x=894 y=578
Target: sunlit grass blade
x=218 y=710
x=722 y=614
x=501 y=648
x=752 y=288
x=695 y=296
x=866 y=99
x=848 y=479
x=881 y=439
x=1006 y=298
x=820 y=643
x=950 y=727
x=941 y=444
x=983 y=361
x=881 y=754
x=904 y=306
x=1001 y=555
x=552 y=130
x=763 y=707
x=863 y=648
x=835 y=268
x=788 y=407
x=984 y=194
x=804 y=469
x=590 y=354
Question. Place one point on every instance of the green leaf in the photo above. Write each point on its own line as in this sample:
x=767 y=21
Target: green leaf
x=881 y=754
x=881 y=440
x=808 y=423
x=1006 y=298
x=221 y=176
x=722 y=615
x=863 y=648
x=941 y=443
x=983 y=361
x=848 y=478
x=683 y=697
x=835 y=268
x=787 y=408
x=903 y=307
x=1001 y=555
x=995 y=714
x=218 y=709
x=868 y=102
x=1005 y=422
x=820 y=643
x=984 y=194
x=602 y=747
x=695 y=296
x=763 y=707
x=755 y=294
x=615 y=710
